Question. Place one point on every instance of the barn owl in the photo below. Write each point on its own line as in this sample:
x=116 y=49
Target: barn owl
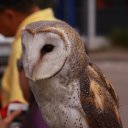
x=70 y=91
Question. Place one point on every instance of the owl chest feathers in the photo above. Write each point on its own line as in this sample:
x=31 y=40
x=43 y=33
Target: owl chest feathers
x=63 y=110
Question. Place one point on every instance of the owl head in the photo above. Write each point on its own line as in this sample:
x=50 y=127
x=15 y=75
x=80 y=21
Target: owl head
x=50 y=48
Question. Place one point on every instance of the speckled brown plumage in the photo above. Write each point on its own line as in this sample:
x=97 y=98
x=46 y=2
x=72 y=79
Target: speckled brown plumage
x=101 y=104
x=76 y=95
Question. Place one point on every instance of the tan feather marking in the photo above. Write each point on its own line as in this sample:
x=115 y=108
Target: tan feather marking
x=99 y=99
x=117 y=113
x=93 y=72
x=107 y=84
x=30 y=31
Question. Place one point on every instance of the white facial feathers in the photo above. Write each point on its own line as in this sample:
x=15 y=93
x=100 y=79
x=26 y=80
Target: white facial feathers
x=44 y=54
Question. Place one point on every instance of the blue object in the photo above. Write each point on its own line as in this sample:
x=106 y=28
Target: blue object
x=66 y=10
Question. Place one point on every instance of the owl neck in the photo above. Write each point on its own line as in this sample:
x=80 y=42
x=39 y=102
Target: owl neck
x=55 y=98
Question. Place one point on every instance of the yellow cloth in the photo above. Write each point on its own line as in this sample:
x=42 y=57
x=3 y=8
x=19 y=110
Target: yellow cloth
x=10 y=82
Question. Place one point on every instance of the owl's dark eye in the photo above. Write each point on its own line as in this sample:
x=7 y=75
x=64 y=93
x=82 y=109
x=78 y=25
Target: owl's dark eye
x=47 y=48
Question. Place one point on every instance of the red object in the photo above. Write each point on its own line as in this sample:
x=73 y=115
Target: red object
x=3 y=111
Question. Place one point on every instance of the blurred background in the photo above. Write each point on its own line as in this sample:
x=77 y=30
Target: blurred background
x=103 y=26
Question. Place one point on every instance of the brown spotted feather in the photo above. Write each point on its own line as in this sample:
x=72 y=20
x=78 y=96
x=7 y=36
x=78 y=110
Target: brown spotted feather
x=101 y=105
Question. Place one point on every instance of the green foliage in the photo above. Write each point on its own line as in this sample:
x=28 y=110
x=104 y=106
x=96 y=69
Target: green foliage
x=119 y=37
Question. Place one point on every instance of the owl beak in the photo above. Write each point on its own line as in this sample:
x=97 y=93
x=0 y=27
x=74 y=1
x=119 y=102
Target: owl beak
x=31 y=77
x=29 y=72
x=33 y=73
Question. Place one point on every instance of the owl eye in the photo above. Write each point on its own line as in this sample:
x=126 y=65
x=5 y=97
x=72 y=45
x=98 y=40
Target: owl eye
x=47 y=48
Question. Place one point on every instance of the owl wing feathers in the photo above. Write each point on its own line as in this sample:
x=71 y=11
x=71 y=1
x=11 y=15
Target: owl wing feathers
x=99 y=100
x=105 y=82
